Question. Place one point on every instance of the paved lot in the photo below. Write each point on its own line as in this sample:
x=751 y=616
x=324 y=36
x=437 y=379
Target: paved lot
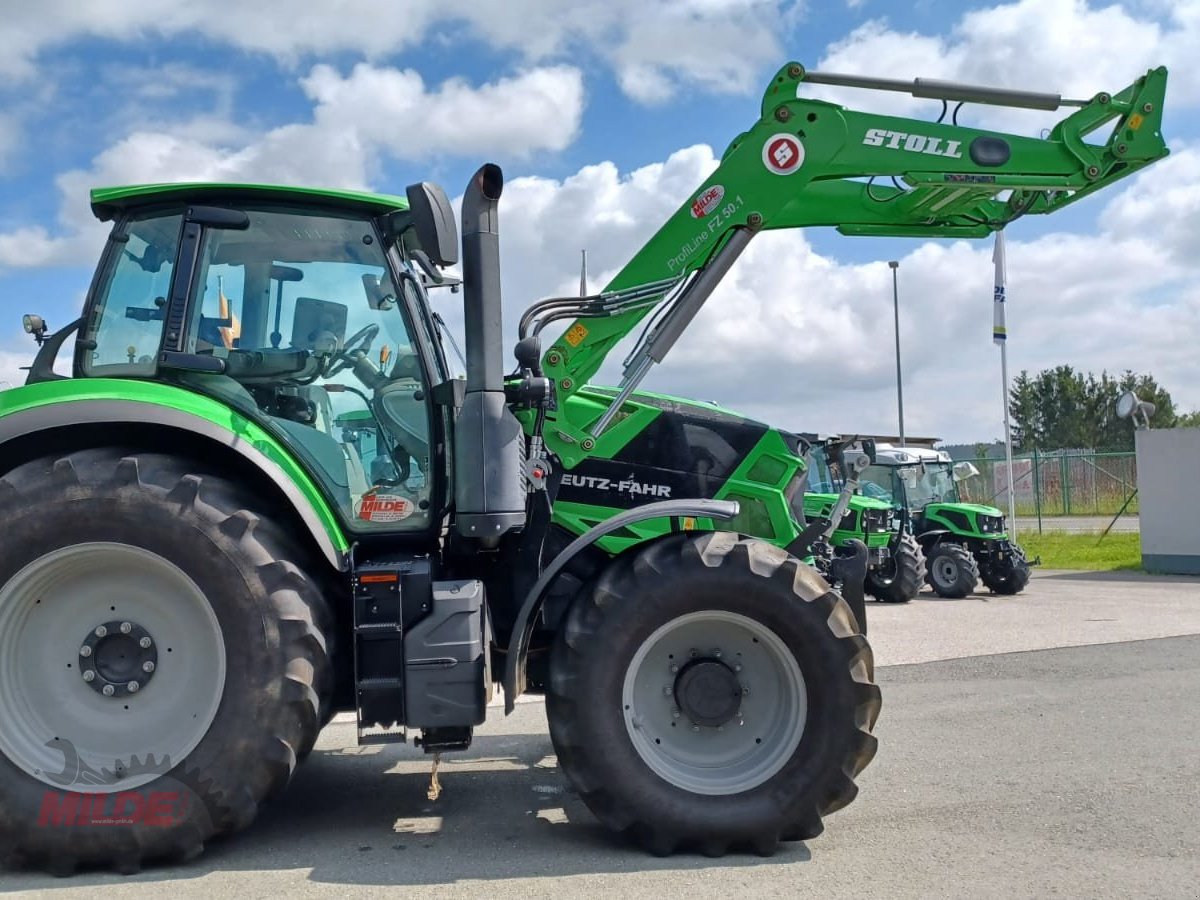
x=1011 y=765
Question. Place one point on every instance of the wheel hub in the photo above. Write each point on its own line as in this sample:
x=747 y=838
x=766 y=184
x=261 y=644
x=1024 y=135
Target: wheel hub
x=118 y=658
x=708 y=692
x=947 y=571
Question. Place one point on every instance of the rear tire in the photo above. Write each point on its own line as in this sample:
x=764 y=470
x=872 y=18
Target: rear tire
x=903 y=575
x=808 y=703
x=1012 y=577
x=951 y=570
x=100 y=539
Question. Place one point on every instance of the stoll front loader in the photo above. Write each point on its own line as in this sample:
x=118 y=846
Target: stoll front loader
x=198 y=569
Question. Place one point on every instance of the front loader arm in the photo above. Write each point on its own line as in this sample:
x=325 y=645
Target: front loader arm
x=813 y=163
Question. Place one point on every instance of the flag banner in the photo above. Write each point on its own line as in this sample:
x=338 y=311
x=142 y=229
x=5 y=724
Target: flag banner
x=999 y=328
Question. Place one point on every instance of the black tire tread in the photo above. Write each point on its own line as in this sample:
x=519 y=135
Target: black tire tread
x=966 y=563
x=1015 y=579
x=583 y=634
x=232 y=798
x=910 y=573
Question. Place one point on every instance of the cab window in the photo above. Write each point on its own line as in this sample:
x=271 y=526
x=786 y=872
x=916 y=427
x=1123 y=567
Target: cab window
x=317 y=341
x=127 y=318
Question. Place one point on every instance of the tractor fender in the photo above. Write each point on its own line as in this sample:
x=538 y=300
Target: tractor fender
x=929 y=538
x=518 y=649
x=55 y=416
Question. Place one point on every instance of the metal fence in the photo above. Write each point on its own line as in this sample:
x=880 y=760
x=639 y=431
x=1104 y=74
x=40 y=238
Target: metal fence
x=1065 y=483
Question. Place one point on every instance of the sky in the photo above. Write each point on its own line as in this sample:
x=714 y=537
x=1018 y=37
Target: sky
x=605 y=116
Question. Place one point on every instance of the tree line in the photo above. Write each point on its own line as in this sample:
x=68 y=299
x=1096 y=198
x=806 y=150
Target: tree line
x=1061 y=408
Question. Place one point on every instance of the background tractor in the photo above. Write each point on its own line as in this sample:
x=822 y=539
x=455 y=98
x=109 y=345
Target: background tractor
x=962 y=542
x=259 y=498
x=895 y=564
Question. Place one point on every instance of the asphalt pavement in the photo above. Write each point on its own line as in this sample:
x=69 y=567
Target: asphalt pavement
x=1031 y=746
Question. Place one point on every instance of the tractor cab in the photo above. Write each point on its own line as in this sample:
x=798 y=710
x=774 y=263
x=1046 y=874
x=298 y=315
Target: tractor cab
x=962 y=542
x=925 y=485
x=304 y=312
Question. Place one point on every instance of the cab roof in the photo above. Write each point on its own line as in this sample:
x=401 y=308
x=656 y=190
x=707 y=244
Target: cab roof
x=891 y=455
x=108 y=202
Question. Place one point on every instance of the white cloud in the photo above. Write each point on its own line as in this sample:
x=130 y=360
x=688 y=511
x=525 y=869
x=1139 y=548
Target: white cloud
x=10 y=368
x=805 y=341
x=357 y=120
x=718 y=44
x=1070 y=47
x=392 y=109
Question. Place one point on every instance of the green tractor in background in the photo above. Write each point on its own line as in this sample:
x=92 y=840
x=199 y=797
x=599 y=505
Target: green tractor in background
x=895 y=565
x=963 y=543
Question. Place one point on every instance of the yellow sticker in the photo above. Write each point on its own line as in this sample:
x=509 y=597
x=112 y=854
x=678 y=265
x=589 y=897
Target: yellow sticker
x=575 y=335
x=1135 y=121
x=689 y=524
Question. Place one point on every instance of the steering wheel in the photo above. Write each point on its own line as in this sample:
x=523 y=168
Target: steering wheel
x=343 y=358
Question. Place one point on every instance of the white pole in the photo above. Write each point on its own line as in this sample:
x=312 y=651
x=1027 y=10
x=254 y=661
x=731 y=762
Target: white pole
x=1012 y=500
x=1000 y=337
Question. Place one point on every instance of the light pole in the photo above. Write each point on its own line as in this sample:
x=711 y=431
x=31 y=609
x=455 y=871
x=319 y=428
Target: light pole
x=895 y=264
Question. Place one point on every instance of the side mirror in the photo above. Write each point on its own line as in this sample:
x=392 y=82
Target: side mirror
x=433 y=220
x=857 y=461
x=964 y=470
x=868 y=447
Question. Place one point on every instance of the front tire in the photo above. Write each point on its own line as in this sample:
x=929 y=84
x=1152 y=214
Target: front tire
x=140 y=567
x=1012 y=576
x=901 y=579
x=951 y=570
x=757 y=733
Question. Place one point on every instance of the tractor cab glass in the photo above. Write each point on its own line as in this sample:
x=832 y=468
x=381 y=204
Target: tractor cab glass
x=928 y=483
x=314 y=326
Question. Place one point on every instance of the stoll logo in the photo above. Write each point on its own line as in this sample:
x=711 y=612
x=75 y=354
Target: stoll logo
x=76 y=806
x=913 y=143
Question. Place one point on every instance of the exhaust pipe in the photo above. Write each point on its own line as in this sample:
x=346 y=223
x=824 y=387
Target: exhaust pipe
x=489 y=489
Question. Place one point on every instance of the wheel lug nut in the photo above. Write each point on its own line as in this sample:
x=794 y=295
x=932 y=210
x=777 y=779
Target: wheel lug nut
x=737 y=667
x=85 y=651
x=667 y=691
x=108 y=690
x=675 y=714
x=674 y=669
x=133 y=687
x=720 y=728
x=717 y=654
x=695 y=653
x=100 y=631
x=126 y=627
x=89 y=676
x=145 y=643
x=148 y=667
x=695 y=728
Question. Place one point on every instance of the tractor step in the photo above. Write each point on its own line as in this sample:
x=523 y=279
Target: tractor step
x=388 y=597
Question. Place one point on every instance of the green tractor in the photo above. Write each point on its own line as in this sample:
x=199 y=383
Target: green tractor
x=963 y=543
x=259 y=498
x=895 y=564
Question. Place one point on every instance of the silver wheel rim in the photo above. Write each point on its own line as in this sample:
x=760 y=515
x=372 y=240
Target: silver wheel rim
x=60 y=728
x=743 y=752
x=945 y=570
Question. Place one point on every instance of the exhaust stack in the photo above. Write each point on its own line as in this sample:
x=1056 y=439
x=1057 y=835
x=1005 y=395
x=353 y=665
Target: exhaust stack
x=489 y=489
